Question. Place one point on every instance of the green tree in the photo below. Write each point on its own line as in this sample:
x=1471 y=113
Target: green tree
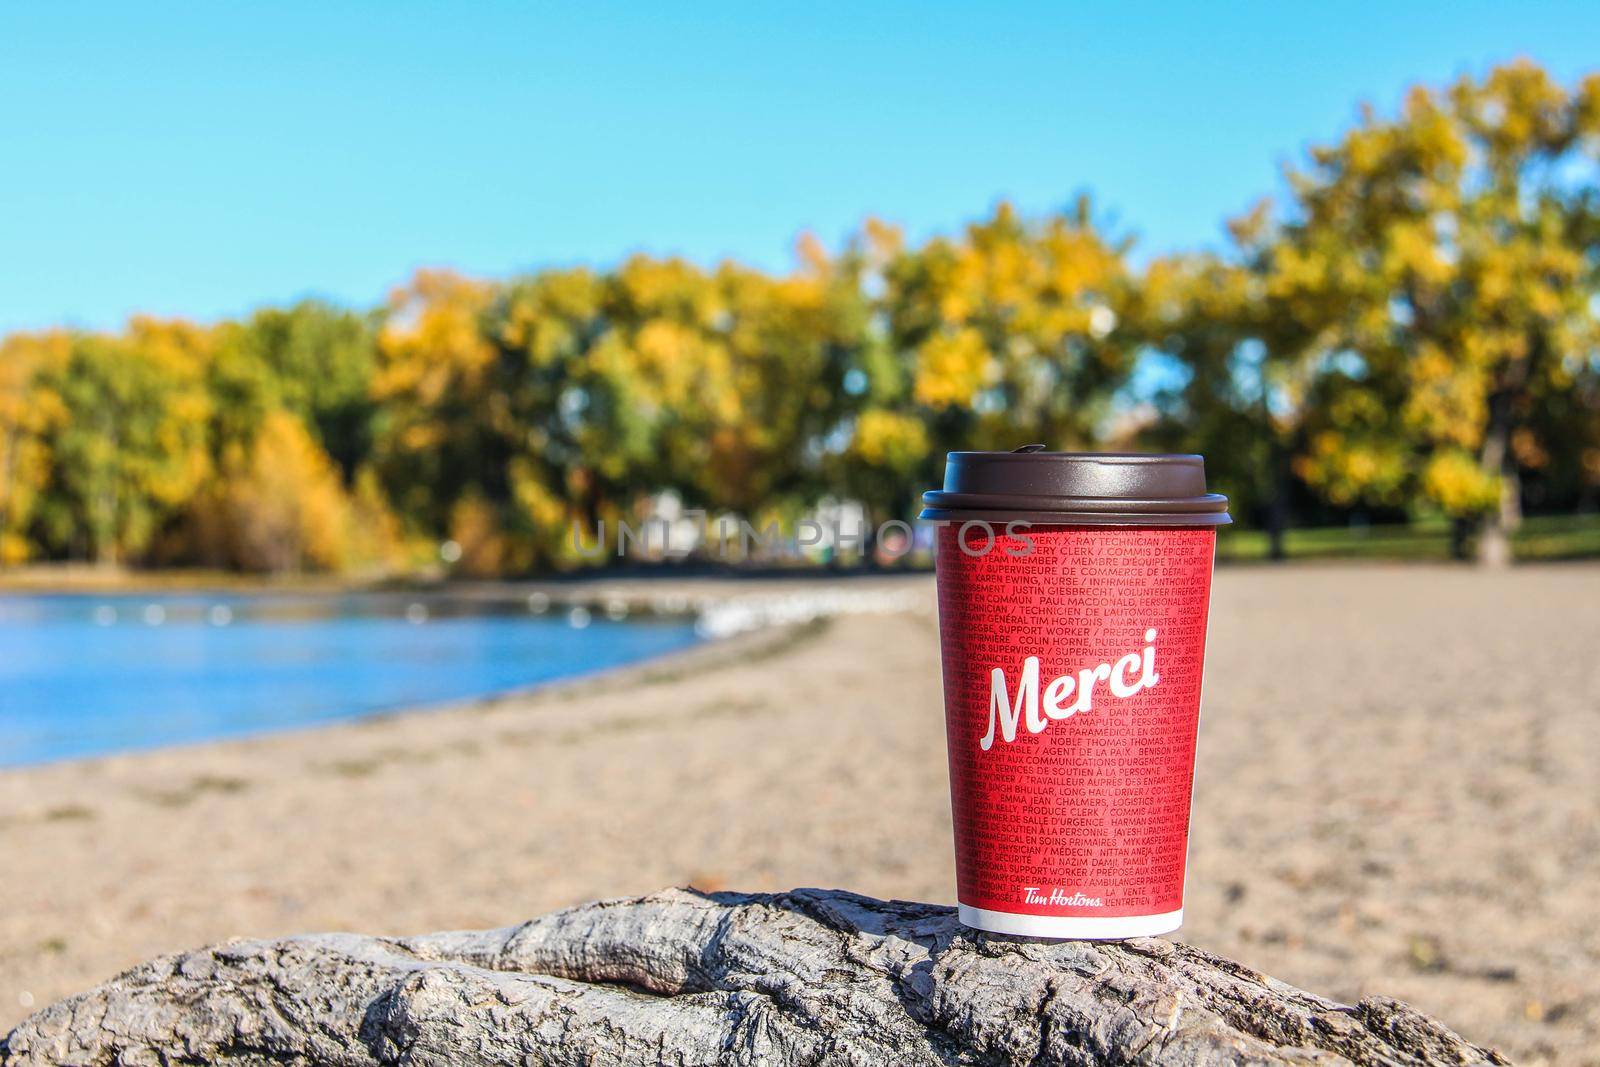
x=313 y=360
x=130 y=449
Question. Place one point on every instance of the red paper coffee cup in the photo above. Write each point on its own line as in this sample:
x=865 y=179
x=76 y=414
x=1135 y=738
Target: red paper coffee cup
x=1073 y=594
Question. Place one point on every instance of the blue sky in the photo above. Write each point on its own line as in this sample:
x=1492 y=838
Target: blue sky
x=202 y=160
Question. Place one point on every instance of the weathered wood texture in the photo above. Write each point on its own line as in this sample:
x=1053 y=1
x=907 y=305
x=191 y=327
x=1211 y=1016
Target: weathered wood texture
x=680 y=977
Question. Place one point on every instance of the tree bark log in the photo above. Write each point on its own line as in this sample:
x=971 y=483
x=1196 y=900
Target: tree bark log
x=682 y=977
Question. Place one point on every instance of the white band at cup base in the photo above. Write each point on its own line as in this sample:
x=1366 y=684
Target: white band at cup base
x=1109 y=927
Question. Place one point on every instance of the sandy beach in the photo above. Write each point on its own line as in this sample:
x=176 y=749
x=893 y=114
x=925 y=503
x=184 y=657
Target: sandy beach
x=1396 y=794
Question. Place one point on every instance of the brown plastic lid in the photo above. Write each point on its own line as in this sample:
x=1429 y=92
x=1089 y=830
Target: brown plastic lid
x=1076 y=488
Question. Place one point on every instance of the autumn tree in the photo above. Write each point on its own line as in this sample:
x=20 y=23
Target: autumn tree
x=1012 y=329
x=655 y=388
x=1007 y=334
x=876 y=450
x=29 y=413
x=546 y=328
x=1214 y=386
x=664 y=376
x=313 y=360
x=1445 y=237
x=1246 y=354
x=792 y=341
x=438 y=407
x=285 y=505
x=130 y=447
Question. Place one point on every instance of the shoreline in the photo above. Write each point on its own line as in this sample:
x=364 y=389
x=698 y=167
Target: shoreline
x=719 y=614
x=47 y=579
x=649 y=670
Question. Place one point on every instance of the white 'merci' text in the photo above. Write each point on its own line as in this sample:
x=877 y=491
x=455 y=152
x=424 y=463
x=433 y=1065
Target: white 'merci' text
x=1065 y=696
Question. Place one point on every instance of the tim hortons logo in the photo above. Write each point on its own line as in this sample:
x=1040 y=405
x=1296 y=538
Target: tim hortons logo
x=1054 y=703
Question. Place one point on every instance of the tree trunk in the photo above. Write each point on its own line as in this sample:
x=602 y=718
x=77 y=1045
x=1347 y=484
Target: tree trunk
x=1460 y=534
x=682 y=977
x=1278 y=500
x=104 y=502
x=1494 y=542
x=1494 y=538
x=8 y=488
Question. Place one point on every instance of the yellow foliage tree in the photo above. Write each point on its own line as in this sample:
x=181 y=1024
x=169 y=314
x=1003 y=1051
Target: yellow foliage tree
x=1444 y=248
x=434 y=387
x=286 y=508
x=27 y=413
x=129 y=449
x=1014 y=331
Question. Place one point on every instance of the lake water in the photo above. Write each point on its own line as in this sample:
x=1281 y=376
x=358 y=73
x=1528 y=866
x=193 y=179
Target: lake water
x=83 y=674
